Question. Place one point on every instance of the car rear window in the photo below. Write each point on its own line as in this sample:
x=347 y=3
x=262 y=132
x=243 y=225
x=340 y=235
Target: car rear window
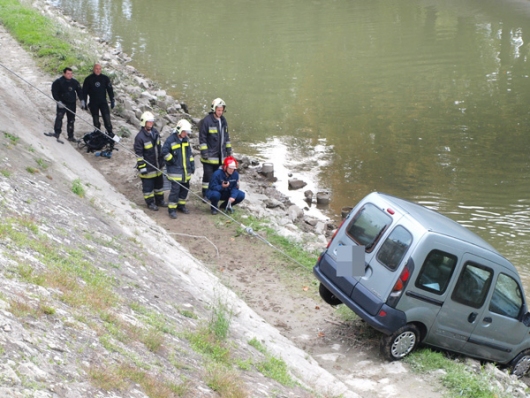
x=368 y=225
x=394 y=248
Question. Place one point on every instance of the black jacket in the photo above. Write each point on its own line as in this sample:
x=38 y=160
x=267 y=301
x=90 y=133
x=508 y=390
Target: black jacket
x=214 y=141
x=179 y=159
x=148 y=153
x=64 y=90
x=96 y=87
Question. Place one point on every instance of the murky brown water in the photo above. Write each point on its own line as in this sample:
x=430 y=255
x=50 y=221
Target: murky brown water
x=426 y=100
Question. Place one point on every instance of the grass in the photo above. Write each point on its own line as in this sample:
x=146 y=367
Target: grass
x=6 y=173
x=226 y=382
x=77 y=188
x=32 y=170
x=42 y=163
x=43 y=38
x=458 y=378
x=12 y=138
x=272 y=367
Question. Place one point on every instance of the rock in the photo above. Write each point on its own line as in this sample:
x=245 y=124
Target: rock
x=141 y=82
x=320 y=227
x=294 y=213
x=296 y=184
x=311 y=221
x=160 y=93
x=323 y=198
x=146 y=94
x=272 y=203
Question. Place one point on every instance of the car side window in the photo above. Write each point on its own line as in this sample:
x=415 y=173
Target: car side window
x=507 y=298
x=394 y=248
x=368 y=225
x=436 y=272
x=473 y=285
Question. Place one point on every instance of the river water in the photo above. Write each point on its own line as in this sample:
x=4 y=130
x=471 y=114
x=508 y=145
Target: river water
x=426 y=100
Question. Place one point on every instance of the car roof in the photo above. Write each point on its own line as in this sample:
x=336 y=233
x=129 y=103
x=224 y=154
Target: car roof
x=438 y=223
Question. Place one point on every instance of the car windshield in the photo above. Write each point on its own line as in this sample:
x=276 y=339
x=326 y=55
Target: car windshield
x=368 y=225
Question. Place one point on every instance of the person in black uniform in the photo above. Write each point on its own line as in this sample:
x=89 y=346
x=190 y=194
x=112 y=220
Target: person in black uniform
x=97 y=86
x=64 y=91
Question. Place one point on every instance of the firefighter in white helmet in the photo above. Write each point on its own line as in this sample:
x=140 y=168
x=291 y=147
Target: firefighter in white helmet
x=180 y=166
x=214 y=141
x=150 y=162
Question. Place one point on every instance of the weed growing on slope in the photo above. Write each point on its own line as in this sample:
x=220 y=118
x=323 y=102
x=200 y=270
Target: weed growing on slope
x=77 y=188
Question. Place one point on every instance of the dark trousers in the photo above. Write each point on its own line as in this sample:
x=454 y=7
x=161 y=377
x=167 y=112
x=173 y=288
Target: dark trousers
x=153 y=189
x=215 y=196
x=177 y=195
x=70 y=117
x=208 y=170
x=95 y=108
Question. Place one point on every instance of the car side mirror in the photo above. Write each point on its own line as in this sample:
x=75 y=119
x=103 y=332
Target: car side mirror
x=526 y=319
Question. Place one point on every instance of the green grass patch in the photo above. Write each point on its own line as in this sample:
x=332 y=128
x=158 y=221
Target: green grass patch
x=44 y=38
x=458 y=378
x=77 y=188
x=226 y=382
x=42 y=163
x=32 y=170
x=6 y=173
x=272 y=367
x=13 y=139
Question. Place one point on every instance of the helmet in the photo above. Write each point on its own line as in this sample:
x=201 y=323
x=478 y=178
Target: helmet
x=216 y=103
x=183 y=125
x=146 y=117
x=230 y=162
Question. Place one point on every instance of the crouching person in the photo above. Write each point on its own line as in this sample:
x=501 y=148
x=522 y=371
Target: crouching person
x=224 y=185
x=150 y=162
x=180 y=166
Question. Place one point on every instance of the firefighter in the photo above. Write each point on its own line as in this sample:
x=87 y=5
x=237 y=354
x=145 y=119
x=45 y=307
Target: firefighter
x=97 y=86
x=64 y=91
x=224 y=185
x=214 y=141
x=180 y=166
x=150 y=162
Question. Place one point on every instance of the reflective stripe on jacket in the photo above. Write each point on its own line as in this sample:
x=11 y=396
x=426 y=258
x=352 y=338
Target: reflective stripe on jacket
x=147 y=148
x=179 y=158
x=214 y=141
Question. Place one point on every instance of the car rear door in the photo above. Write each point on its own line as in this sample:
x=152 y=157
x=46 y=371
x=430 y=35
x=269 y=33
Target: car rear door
x=465 y=307
x=499 y=331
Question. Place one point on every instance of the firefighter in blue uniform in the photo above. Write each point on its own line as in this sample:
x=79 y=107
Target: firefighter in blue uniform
x=224 y=185
x=149 y=162
x=214 y=141
x=180 y=166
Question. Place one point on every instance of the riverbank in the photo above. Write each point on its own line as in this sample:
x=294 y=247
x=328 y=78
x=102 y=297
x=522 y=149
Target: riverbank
x=281 y=291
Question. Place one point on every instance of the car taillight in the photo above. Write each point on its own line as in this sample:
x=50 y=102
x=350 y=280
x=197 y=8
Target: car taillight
x=400 y=284
x=334 y=234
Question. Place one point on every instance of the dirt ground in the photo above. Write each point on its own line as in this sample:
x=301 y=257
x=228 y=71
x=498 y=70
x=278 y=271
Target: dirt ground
x=283 y=294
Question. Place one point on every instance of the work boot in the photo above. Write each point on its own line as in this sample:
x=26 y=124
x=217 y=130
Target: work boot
x=223 y=206
x=213 y=210
x=173 y=214
x=183 y=209
x=71 y=139
x=161 y=203
x=152 y=206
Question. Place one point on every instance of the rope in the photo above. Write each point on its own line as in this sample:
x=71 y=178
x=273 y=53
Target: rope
x=247 y=229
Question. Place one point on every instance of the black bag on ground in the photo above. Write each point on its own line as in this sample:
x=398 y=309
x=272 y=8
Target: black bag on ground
x=96 y=141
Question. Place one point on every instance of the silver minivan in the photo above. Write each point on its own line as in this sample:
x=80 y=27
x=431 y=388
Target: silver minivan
x=428 y=279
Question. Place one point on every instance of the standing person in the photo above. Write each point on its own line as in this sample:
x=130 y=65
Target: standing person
x=97 y=86
x=180 y=166
x=64 y=91
x=214 y=141
x=150 y=162
x=224 y=185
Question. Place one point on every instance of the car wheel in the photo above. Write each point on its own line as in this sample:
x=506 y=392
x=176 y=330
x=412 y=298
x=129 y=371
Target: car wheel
x=521 y=364
x=401 y=343
x=327 y=296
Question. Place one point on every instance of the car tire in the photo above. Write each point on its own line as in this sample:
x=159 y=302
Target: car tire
x=521 y=364
x=327 y=296
x=400 y=343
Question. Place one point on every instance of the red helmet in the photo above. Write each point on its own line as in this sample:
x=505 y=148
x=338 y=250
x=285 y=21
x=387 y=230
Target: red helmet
x=229 y=162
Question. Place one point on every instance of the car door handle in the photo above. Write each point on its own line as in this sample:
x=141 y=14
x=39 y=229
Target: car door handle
x=471 y=318
x=487 y=320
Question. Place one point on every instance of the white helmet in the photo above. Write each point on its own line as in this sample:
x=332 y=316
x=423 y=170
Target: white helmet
x=183 y=125
x=216 y=103
x=146 y=117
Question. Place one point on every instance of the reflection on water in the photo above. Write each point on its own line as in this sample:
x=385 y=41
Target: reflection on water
x=421 y=99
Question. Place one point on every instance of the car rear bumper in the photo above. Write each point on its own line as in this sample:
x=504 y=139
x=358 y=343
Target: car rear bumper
x=356 y=297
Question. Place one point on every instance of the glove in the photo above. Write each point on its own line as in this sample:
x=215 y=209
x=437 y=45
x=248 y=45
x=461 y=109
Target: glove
x=116 y=138
x=60 y=105
x=142 y=167
x=112 y=104
x=83 y=105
